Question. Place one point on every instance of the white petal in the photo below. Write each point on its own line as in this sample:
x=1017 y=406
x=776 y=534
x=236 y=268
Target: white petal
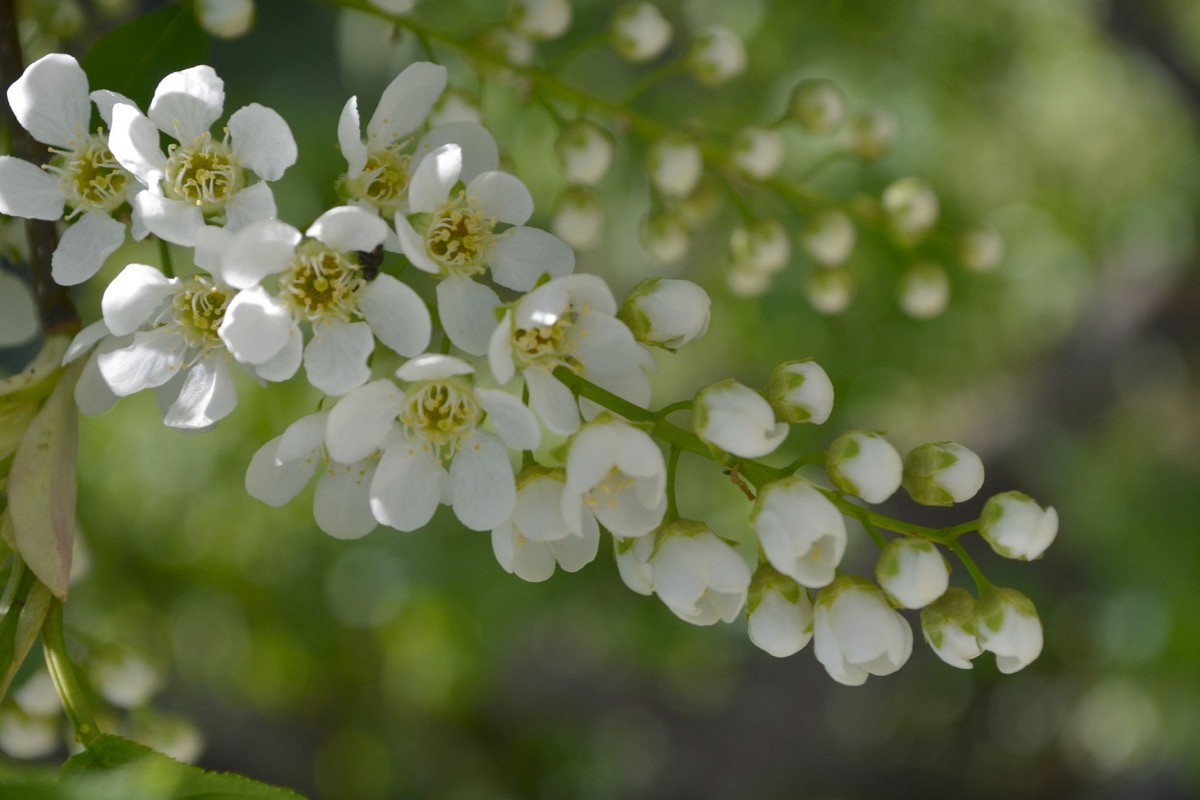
x=92 y=394
x=406 y=102
x=779 y=627
x=407 y=487
x=256 y=326
x=479 y=152
x=134 y=296
x=336 y=358
x=502 y=196
x=83 y=341
x=538 y=515
x=262 y=141
x=172 y=220
x=512 y=420
x=84 y=247
x=349 y=229
x=342 y=503
x=106 y=100
x=302 y=437
x=412 y=245
x=521 y=256
x=133 y=141
x=433 y=178
x=500 y=358
x=251 y=204
x=396 y=314
x=18 y=323
x=276 y=483
x=576 y=551
x=188 y=102
x=465 y=308
x=484 y=489
x=552 y=401
x=207 y=395
x=350 y=141
x=433 y=366
x=262 y=248
x=283 y=365
x=50 y=100
x=361 y=420
x=28 y=191
x=603 y=344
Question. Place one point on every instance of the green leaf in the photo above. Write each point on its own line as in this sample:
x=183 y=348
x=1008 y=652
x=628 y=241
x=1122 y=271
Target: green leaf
x=112 y=765
x=20 y=628
x=132 y=58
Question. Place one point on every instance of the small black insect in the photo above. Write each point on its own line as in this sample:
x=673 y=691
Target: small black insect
x=370 y=262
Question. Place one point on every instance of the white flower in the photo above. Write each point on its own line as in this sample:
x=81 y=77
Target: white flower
x=434 y=424
x=586 y=152
x=379 y=169
x=579 y=218
x=737 y=419
x=616 y=472
x=924 y=291
x=665 y=237
x=201 y=179
x=666 y=313
x=762 y=246
x=865 y=464
x=911 y=207
x=818 y=105
x=857 y=633
x=779 y=614
x=82 y=183
x=758 y=151
x=454 y=237
x=912 y=572
x=716 y=56
x=569 y=321
x=674 y=166
x=948 y=625
x=125 y=679
x=942 y=474
x=640 y=32
x=828 y=237
x=538 y=537
x=633 y=562
x=541 y=19
x=800 y=391
x=323 y=282
x=981 y=249
x=26 y=737
x=283 y=467
x=830 y=290
x=1008 y=625
x=18 y=322
x=871 y=135
x=802 y=534
x=699 y=577
x=1016 y=526
x=227 y=19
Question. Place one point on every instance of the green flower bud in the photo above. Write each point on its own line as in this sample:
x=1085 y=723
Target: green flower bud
x=818 y=105
x=942 y=474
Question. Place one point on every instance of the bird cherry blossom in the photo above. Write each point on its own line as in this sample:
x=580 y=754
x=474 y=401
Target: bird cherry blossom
x=856 y=632
x=538 y=538
x=616 y=472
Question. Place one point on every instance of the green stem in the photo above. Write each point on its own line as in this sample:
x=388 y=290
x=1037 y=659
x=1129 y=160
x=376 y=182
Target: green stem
x=647 y=81
x=872 y=529
x=58 y=662
x=164 y=256
x=682 y=405
x=981 y=582
x=820 y=164
x=11 y=588
x=559 y=120
x=578 y=49
x=804 y=460
x=942 y=536
x=672 y=469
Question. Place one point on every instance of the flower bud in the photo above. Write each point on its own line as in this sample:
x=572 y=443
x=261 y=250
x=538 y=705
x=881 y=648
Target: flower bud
x=779 y=615
x=800 y=391
x=699 y=577
x=586 y=151
x=1007 y=624
x=37 y=696
x=924 y=291
x=737 y=419
x=665 y=237
x=226 y=19
x=856 y=632
x=981 y=249
x=911 y=207
x=818 y=105
x=830 y=290
x=871 y=135
x=828 y=237
x=26 y=737
x=1016 y=526
x=864 y=464
x=912 y=572
x=579 y=218
x=746 y=281
x=762 y=245
x=541 y=19
x=758 y=151
x=633 y=563
x=802 y=533
x=716 y=55
x=675 y=166
x=942 y=474
x=125 y=679
x=640 y=32
x=508 y=45
x=948 y=625
x=666 y=313
x=455 y=105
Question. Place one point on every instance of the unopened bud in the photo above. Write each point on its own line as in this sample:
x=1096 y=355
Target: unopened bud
x=912 y=572
x=665 y=237
x=226 y=19
x=864 y=464
x=746 y=281
x=762 y=245
x=716 y=55
x=872 y=135
x=800 y=391
x=911 y=207
x=830 y=290
x=579 y=218
x=779 y=613
x=1017 y=527
x=737 y=419
x=758 y=151
x=942 y=474
x=981 y=249
x=948 y=625
x=541 y=19
x=924 y=291
x=640 y=32
x=828 y=237
x=586 y=152
x=818 y=105
x=1007 y=624
x=666 y=313
x=674 y=166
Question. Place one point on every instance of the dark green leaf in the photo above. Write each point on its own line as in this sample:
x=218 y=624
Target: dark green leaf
x=132 y=58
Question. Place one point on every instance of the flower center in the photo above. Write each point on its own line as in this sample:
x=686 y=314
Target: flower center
x=443 y=412
x=90 y=178
x=544 y=345
x=458 y=237
x=609 y=490
x=199 y=308
x=323 y=283
x=203 y=174
x=384 y=180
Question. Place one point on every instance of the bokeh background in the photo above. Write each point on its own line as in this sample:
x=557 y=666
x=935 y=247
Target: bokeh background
x=411 y=665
